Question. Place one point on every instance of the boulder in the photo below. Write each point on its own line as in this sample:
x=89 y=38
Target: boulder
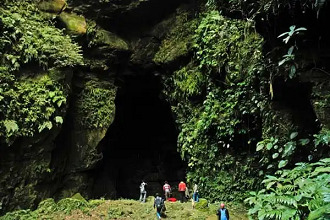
x=53 y=6
x=73 y=23
x=108 y=39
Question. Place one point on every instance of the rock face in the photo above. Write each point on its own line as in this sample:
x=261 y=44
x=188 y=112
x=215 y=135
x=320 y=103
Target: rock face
x=91 y=152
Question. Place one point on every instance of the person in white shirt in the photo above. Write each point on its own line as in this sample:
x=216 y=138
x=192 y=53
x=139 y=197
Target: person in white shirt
x=143 y=192
x=167 y=190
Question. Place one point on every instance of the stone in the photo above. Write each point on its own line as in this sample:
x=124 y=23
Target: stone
x=53 y=6
x=105 y=38
x=73 y=23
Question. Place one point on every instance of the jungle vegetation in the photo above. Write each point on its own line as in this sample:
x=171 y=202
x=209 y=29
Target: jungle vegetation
x=236 y=145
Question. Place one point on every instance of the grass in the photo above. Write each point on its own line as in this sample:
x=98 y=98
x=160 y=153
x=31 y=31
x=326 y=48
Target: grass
x=122 y=209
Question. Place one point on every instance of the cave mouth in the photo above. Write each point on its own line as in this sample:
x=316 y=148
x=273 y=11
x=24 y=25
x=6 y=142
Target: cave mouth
x=141 y=143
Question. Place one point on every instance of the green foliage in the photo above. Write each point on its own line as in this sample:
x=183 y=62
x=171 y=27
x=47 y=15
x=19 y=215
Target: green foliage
x=31 y=105
x=31 y=101
x=289 y=58
x=95 y=104
x=27 y=37
x=48 y=207
x=215 y=104
x=275 y=154
x=69 y=204
x=300 y=193
x=323 y=138
x=252 y=8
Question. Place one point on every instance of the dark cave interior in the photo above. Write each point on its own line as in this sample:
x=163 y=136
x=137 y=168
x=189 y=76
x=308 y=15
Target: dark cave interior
x=141 y=142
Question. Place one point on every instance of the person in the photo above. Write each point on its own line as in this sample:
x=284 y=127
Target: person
x=186 y=193
x=167 y=190
x=182 y=190
x=195 y=193
x=159 y=205
x=143 y=192
x=223 y=212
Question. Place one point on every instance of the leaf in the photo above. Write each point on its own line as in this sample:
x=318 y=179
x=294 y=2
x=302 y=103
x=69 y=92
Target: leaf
x=289 y=148
x=320 y=213
x=304 y=142
x=292 y=72
x=269 y=146
x=281 y=62
x=290 y=50
x=286 y=40
x=283 y=34
x=321 y=170
x=59 y=119
x=11 y=126
x=282 y=163
x=301 y=29
x=270 y=166
x=292 y=27
x=293 y=135
x=260 y=146
x=275 y=155
x=325 y=160
x=270 y=184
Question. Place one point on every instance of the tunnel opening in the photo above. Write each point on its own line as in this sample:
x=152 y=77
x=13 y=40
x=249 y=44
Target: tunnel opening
x=141 y=143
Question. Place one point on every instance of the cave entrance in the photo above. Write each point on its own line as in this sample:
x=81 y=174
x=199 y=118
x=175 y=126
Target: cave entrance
x=141 y=143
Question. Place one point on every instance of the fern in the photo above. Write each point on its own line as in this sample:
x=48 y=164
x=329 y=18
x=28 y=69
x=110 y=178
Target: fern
x=307 y=193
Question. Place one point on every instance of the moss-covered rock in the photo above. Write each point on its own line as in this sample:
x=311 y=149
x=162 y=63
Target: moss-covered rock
x=177 y=43
x=95 y=105
x=101 y=37
x=54 y=6
x=74 y=24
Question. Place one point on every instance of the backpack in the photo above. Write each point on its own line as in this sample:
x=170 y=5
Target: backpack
x=158 y=202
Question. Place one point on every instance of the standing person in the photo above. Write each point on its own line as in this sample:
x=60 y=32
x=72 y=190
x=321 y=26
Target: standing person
x=182 y=190
x=143 y=191
x=186 y=193
x=167 y=190
x=159 y=205
x=195 y=193
x=223 y=212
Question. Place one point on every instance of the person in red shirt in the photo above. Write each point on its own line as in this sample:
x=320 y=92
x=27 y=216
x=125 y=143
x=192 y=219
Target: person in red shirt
x=182 y=190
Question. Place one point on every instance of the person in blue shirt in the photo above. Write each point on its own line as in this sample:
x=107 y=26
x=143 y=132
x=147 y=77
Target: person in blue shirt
x=223 y=212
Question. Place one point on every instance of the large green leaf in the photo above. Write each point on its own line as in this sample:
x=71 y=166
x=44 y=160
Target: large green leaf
x=320 y=213
x=260 y=146
x=293 y=135
x=269 y=146
x=275 y=155
x=282 y=163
